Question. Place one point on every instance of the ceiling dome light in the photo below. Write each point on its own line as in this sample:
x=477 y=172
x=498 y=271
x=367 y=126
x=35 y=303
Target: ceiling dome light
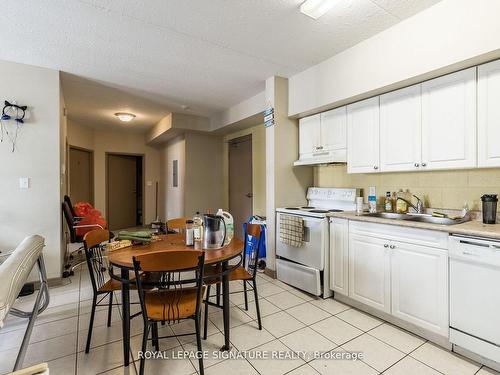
x=124 y=116
x=316 y=8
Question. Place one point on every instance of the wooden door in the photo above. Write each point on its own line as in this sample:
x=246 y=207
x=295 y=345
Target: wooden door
x=369 y=271
x=488 y=115
x=419 y=276
x=334 y=129
x=363 y=136
x=449 y=121
x=122 y=191
x=400 y=130
x=240 y=182
x=81 y=175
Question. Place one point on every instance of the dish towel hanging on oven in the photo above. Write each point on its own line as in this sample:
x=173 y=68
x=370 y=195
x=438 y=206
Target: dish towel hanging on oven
x=291 y=230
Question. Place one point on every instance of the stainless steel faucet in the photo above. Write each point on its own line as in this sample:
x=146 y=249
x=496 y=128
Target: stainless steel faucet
x=419 y=208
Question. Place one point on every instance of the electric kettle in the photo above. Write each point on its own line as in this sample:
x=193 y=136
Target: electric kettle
x=214 y=231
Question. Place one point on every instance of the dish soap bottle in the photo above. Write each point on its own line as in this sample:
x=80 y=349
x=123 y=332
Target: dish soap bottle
x=197 y=227
x=388 y=202
x=229 y=221
x=401 y=206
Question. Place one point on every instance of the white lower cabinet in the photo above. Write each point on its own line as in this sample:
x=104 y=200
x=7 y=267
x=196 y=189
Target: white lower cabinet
x=369 y=271
x=419 y=286
x=339 y=255
x=408 y=280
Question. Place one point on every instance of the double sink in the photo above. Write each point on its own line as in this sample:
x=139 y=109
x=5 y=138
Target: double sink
x=422 y=218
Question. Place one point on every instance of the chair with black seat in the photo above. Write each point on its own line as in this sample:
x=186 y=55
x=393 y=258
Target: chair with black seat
x=247 y=273
x=172 y=293
x=103 y=285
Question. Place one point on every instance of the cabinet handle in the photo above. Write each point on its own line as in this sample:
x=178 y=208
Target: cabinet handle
x=417 y=165
x=392 y=246
x=424 y=164
x=319 y=148
x=375 y=167
x=386 y=245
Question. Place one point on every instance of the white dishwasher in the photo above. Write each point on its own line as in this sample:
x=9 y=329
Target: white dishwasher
x=475 y=295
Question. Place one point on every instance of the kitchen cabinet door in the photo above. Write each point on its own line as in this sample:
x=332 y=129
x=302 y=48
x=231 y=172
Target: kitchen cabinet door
x=488 y=115
x=420 y=286
x=400 y=130
x=363 y=136
x=449 y=121
x=339 y=255
x=309 y=135
x=369 y=271
x=333 y=129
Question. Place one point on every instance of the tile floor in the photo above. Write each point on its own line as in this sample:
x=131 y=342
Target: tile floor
x=292 y=320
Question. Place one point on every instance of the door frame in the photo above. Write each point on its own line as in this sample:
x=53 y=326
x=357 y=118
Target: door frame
x=243 y=138
x=92 y=187
x=143 y=181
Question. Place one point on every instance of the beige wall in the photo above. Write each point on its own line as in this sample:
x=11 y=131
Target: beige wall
x=36 y=210
x=441 y=189
x=258 y=167
x=103 y=141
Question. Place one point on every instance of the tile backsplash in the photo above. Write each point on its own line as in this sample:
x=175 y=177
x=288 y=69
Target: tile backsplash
x=440 y=189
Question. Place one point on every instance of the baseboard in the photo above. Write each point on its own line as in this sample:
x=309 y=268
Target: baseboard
x=269 y=272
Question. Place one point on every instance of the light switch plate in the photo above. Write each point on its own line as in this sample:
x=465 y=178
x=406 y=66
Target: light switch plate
x=24 y=182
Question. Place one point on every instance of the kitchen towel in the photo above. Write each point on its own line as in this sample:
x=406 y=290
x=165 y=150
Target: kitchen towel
x=291 y=230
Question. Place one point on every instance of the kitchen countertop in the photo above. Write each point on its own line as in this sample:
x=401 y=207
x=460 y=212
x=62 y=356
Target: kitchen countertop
x=469 y=228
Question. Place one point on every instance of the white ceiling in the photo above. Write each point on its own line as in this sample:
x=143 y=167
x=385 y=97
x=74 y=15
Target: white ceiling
x=208 y=55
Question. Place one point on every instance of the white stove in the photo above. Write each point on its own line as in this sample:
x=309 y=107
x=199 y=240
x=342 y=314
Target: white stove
x=307 y=266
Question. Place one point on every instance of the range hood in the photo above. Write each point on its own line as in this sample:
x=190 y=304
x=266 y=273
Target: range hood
x=326 y=157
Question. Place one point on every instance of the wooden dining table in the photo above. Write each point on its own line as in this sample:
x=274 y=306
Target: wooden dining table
x=123 y=259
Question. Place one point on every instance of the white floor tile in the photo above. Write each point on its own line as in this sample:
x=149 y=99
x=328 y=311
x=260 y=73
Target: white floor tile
x=281 y=324
x=342 y=366
x=129 y=370
x=410 y=366
x=63 y=366
x=376 y=353
x=487 y=371
x=444 y=361
x=237 y=318
x=187 y=326
x=308 y=313
x=275 y=366
x=232 y=367
x=305 y=296
x=285 y=300
x=307 y=340
x=239 y=298
x=359 y=319
x=100 y=318
x=167 y=366
x=396 y=337
x=330 y=305
x=304 y=370
x=336 y=330
x=266 y=308
x=248 y=336
x=211 y=345
x=268 y=289
x=104 y=358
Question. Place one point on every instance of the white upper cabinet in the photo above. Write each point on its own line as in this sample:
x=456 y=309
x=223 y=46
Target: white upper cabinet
x=400 y=130
x=333 y=129
x=363 y=136
x=449 y=121
x=309 y=135
x=488 y=114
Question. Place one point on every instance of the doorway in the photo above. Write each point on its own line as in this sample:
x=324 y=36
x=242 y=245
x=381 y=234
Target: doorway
x=124 y=190
x=81 y=175
x=240 y=182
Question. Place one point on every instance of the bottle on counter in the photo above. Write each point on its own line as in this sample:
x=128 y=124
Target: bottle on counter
x=189 y=233
x=401 y=206
x=229 y=221
x=197 y=227
x=388 y=202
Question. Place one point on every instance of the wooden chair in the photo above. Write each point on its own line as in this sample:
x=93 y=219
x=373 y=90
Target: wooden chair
x=241 y=274
x=102 y=284
x=171 y=294
x=178 y=224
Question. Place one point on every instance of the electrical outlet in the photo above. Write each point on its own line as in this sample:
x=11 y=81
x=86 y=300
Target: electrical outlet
x=24 y=182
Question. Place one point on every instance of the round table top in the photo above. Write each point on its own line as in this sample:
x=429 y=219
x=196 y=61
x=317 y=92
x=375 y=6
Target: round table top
x=123 y=257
